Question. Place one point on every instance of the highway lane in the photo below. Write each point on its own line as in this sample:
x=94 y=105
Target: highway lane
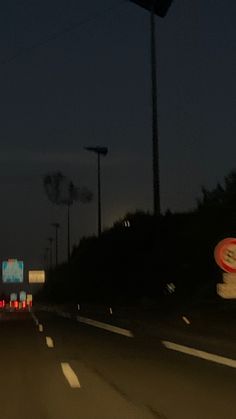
x=54 y=368
x=169 y=384
x=36 y=380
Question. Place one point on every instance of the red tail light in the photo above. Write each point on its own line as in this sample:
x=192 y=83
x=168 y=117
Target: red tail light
x=23 y=304
x=1 y=304
x=15 y=304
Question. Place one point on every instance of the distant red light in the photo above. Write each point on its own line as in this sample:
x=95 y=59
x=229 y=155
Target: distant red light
x=23 y=304
x=15 y=304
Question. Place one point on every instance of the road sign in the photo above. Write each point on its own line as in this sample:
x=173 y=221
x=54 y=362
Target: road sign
x=226 y=291
x=225 y=257
x=12 y=270
x=229 y=278
x=36 y=277
x=225 y=254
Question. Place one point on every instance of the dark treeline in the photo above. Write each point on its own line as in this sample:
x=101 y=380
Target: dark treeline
x=140 y=254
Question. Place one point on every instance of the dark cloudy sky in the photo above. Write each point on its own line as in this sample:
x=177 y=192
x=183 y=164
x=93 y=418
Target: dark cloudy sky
x=91 y=85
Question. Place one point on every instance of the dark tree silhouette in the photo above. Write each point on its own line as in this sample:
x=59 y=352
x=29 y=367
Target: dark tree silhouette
x=221 y=197
x=62 y=191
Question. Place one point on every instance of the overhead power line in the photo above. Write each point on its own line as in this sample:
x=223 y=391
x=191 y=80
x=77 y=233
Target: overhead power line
x=59 y=34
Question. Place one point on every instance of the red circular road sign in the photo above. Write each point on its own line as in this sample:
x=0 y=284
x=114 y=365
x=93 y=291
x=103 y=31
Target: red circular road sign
x=225 y=254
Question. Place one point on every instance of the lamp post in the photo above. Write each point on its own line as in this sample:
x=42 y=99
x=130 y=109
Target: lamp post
x=46 y=258
x=155 y=137
x=50 y=239
x=68 y=232
x=99 y=151
x=57 y=226
x=159 y=8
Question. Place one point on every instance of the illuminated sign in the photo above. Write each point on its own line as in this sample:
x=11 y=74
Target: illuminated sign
x=12 y=271
x=36 y=277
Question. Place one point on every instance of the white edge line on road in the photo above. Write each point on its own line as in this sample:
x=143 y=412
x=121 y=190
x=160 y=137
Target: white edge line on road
x=200 y=354
x=106 y=326
x=40 y=327
x=49 y=342
x=70 y=375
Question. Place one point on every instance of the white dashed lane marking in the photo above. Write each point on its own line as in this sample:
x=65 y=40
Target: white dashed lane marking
x=70 y=375
x=106 y=326
x=49 y=342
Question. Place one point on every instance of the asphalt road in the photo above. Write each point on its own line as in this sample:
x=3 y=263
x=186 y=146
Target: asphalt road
x=56 y=368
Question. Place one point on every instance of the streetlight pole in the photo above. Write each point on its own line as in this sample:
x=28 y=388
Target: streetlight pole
x=99 y=197
x=56 y=225
x=50 y=239
x=68 y=232
x=46 y=258
x=99 y=151
x=155 y=137
x=159 y=8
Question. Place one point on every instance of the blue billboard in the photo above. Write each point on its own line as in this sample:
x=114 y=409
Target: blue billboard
x=13 y=271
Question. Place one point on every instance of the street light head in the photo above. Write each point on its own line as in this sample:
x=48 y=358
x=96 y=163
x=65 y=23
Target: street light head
x=98 y=150
x=161 y=7
x=57 y=225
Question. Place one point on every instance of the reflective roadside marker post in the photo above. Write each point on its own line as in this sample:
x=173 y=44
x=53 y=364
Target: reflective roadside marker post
x=170 y=287
x=225 y=257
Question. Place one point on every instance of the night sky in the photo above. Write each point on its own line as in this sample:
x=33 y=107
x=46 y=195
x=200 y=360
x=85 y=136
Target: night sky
x=76 y=73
